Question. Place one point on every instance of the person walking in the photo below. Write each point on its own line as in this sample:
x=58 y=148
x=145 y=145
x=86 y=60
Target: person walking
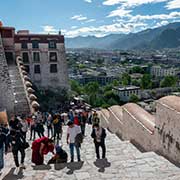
x=72 y=131
x=24 y=127
x=3 y=144
x=17 y=142
x=49 y=125
x=57 y=127
x=99 y=135
x=32 y=129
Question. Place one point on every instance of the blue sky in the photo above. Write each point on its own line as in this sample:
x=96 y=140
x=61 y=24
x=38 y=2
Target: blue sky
x=88 y=17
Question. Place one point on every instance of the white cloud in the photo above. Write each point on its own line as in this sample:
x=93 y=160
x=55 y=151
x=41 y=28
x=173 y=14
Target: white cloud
x=90 y=20
x=88 y=1
x=172 y=15
x=174 y=4
x=73 y=27
x=162 y=23
x=79 y=17
x=49 y=29
x=105 y=29
x=130 y=3
x=120 y=11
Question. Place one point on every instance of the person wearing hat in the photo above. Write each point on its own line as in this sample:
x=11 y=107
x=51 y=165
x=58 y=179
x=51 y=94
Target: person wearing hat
x=61 y=156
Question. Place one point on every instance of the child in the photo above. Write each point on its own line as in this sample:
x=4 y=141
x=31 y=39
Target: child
x=60 y=156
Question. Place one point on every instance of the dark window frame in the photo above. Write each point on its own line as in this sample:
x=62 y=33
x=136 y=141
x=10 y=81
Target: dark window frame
x=51 y=54
x=24 y=45
x=37 y=69
x=53 y=45
x=53 y=68
x=35 y=56
x=26 y=57
x=35 y=44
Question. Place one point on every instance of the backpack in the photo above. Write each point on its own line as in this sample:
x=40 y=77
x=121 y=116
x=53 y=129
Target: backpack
x=55 y=121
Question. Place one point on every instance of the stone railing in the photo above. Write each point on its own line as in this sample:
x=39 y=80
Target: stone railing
x=159 y=133
x=31 y=98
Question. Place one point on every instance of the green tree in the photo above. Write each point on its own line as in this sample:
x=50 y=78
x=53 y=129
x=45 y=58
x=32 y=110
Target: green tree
x=169 y=81
x=135 y=82
x=137 y=69
x=92 y=88
x=126 y=79
x=146 y=82
x=110 y=95
x=115 y=82
x=134 y=98
x=75 y=86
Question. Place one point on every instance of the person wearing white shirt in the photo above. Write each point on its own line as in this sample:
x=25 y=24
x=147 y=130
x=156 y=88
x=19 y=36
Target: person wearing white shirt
x=72 y=131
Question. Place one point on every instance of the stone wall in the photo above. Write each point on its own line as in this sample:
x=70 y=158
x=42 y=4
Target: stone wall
x=159 y=132
x=168 y=127
x=6 y=93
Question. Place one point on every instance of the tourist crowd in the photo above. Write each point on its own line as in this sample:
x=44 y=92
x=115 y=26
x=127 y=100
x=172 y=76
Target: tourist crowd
x=25 y=132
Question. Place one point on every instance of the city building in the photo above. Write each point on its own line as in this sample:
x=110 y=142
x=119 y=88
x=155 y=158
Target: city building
x=25 y=59
x=125 y=93
x=159 y=71
x=43 y=56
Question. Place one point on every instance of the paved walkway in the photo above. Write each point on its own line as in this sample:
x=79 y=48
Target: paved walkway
x=124 y=162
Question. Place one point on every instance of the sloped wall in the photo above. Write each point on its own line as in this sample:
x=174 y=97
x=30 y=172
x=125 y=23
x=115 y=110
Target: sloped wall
x=6 y=93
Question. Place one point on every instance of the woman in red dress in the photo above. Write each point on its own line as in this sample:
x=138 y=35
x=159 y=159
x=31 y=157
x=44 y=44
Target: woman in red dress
x=40 y=147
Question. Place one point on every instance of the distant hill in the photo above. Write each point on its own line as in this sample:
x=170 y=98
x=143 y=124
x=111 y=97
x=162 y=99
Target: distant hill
x=161 y=37
x=92 y=41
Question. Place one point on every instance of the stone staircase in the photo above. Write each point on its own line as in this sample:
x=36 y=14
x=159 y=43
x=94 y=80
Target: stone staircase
x=124 y=162
x=21 y=104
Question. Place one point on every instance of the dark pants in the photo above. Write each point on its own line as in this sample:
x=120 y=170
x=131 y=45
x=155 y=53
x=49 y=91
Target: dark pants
x=57 y=133
x=50 y=130
x=33 y=133
x=83 y=127
x=15 y=155
x=40 y=134
x=72 y=146
x=24 y=134
x=102 y=145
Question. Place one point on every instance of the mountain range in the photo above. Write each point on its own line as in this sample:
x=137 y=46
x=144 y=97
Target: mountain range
x=167 y=36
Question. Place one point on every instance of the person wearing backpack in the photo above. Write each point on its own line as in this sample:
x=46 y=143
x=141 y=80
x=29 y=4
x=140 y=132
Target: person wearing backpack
x=57 y=127
x=17 y=142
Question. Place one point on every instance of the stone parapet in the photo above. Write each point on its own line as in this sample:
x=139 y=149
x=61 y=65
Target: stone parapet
x=159 y=133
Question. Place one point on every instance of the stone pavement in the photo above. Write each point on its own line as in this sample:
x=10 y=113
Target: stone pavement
x=124 y=162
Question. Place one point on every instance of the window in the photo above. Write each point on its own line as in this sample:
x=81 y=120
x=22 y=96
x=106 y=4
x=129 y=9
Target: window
x=53 y=68
x=27 y=68
x=53 y=56
x=52 y=45
x=37 y=69
x=36 y=57
x=25 y=57
x=24 y=45
x=35 y=44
